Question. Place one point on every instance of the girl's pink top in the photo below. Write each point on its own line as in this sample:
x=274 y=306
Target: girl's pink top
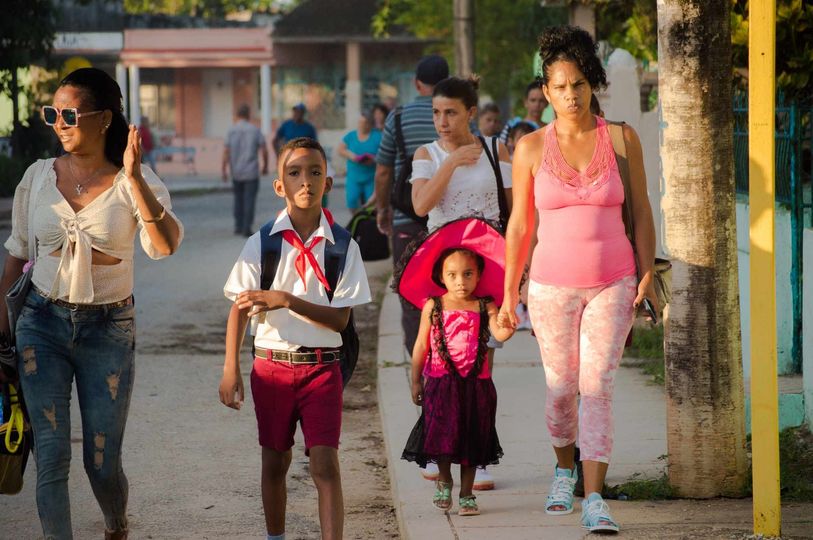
x=581 y=238
x=462 y=328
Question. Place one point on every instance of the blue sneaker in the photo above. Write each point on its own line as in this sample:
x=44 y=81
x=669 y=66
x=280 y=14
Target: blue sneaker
x=560 y=499
x=596 y=515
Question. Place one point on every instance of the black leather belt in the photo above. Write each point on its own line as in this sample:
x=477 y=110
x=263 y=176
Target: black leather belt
x=83 y=307
x=313 y=356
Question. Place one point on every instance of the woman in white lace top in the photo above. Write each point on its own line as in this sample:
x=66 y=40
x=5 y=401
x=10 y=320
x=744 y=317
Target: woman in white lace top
x=452 y=177
x=78 y=320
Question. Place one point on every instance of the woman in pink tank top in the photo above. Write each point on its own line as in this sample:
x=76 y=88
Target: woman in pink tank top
x=585 y=277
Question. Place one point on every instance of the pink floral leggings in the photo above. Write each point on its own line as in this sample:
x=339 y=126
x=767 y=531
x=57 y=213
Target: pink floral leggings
x=581 y=334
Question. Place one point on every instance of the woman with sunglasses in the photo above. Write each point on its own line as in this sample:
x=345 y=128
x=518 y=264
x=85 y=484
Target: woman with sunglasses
x=78 y=319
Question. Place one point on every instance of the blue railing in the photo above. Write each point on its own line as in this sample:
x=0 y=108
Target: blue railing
x=794 y=171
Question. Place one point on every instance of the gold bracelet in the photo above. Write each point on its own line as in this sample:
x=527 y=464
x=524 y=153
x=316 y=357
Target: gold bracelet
x=156 y=220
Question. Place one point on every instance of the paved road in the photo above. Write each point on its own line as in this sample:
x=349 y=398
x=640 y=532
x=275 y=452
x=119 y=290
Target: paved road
x=192 y=463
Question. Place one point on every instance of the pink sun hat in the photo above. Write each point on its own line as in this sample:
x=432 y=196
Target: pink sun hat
x=414 y=282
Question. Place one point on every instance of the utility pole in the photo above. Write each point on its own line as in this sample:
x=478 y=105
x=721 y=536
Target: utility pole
x=464 y=37
x=762 y=177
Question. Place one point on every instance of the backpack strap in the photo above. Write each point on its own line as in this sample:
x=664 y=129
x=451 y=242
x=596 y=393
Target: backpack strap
x=620 y=148
x=335 y=256
x=270 y=249
x=494 y=159
x=399 y=132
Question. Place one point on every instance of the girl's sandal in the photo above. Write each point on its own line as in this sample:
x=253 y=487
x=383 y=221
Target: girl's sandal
x=443 y=496
x=468 y=506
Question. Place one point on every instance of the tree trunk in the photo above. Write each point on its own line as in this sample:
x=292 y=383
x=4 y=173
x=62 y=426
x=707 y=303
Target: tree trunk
x=704 y=381
x=464 y=37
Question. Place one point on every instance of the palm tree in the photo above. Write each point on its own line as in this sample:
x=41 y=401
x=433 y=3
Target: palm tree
x=704 y=381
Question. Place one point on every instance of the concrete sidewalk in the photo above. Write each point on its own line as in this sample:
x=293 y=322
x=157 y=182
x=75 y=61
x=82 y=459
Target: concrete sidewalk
x=515 y=509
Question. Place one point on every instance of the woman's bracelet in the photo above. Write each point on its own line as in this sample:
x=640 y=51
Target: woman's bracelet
x=156 y=220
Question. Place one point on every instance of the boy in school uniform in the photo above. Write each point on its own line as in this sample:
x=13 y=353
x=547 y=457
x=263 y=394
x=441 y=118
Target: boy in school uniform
x=296 y=373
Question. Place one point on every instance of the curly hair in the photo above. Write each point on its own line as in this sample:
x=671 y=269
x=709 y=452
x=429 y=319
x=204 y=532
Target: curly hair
x=572 y=44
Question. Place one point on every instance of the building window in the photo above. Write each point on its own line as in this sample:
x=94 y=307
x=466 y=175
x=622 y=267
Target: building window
x=157 y=98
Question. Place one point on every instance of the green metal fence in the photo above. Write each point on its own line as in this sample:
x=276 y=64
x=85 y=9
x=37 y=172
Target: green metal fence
x=794 y=171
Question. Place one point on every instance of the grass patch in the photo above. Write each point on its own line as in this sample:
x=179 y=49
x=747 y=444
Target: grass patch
x=796 y=464
x=641 y=489
x=647 y=343
x=647 y=348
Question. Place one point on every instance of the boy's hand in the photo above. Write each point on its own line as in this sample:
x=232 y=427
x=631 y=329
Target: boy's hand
x=231 y=385
x=417 y=393
x=259 y=301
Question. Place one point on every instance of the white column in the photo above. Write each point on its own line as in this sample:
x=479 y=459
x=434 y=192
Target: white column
x=135 y=104
x=121 y=78
x=352 y=89
x=265 y=99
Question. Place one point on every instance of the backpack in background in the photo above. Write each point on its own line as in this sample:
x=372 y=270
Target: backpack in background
x=401 y=196
x=374 y=245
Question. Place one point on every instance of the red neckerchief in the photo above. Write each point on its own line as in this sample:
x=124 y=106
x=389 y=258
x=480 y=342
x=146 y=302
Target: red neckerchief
x=305 y=253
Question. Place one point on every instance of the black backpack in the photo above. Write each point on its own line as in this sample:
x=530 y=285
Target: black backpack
x=335 y=257
x=401 y=196
x=374 y=245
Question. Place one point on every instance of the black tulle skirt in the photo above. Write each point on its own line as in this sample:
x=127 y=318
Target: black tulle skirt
x=457 y=423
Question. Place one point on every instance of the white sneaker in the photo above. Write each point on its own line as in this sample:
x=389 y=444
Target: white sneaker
x=430 y=472
x=483 y=481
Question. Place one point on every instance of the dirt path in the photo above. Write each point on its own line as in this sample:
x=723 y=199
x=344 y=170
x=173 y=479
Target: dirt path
x=193 y=465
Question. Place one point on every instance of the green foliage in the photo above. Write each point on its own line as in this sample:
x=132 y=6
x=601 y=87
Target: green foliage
x=200 y=8
x=26 y=36
x=11 y=172
x=794 y=44
x=647 y=347
x=630 y=25
x=505 y=35
x=796 y=464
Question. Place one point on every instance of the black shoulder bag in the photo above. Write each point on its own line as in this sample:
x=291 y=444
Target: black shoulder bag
x=401 y=196
x=494 y=158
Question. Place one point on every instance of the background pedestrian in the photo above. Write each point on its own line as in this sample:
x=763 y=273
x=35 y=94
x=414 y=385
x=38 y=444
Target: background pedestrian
x=243 y=141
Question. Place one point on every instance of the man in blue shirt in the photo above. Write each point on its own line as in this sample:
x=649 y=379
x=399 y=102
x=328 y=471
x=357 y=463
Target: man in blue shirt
x=294 y=127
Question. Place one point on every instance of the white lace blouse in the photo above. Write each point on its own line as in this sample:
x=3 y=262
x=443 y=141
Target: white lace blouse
x=108 y=224
x=472 y=189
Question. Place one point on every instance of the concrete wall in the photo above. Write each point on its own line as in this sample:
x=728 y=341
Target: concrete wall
x=621 y=102
x=784 y=309
x=807 y=330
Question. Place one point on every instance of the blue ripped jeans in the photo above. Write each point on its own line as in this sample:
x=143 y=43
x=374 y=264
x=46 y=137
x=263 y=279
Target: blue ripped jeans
x=56 y=344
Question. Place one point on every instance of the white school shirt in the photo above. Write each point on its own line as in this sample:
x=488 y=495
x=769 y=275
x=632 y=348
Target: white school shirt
x=282 y=329
x=472 y=189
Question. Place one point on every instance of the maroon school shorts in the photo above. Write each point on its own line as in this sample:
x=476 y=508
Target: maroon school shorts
x=284 y=393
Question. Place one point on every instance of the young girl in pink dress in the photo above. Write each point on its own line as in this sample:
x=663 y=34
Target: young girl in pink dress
x=451 y=376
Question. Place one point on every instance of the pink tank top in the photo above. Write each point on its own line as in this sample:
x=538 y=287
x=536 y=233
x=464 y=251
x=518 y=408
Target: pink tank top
x=582 y=242
x=462 y=329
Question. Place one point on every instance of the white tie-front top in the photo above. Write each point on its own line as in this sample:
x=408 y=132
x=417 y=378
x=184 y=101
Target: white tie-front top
x=108 y=224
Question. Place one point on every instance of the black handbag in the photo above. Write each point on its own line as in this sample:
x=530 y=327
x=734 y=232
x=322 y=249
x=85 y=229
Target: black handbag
x=15 y=443
x=374 y=245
